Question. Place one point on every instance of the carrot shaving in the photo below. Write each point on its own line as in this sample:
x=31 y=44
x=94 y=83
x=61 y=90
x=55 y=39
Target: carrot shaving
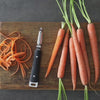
x=26 y=66
x=10 y=55
x=3 y=34
x=22 y=70
x=7 y=55
x=23 y=61
x=18 y=34
x=6 y=69
x=16 y=70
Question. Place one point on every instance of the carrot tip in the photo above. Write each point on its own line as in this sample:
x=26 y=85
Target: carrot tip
x=46 y=75
x=74 y=87
x=95 y=81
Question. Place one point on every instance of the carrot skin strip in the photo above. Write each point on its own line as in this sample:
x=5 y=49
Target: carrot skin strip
x=13 y=57
x=15 y=32
x=22 y=70
x=5 y=68
x=18 y=54
x=73 y=62
x=62 y=64
x=16 y=70
x=80 y=35
x=7 y=55
x=26 y=66
x=23 y=61
x=94 y=48
x=4 y=62
x=57 y=45
x=80 y=58
x=24 y=54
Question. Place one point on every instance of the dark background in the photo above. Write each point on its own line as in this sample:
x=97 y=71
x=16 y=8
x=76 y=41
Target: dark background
x=42 y=10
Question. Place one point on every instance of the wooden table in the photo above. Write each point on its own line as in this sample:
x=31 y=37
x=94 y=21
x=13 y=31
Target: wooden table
x=29 y=31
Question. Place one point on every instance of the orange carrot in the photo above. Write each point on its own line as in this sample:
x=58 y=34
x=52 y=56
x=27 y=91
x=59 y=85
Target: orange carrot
x=94 y=47
x=73 y=62
x=57 y=45
x=80 y=35
x=80 y=58
x=62 y=64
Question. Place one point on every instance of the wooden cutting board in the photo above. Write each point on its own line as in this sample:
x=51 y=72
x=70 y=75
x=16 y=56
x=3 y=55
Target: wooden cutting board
x=29 y=31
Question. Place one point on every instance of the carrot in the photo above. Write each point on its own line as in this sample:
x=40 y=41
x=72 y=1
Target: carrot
x=62 y=64
x=73 y=62
x=80 y=35
x=57 y=45
x=80 y=58
x=94 y=47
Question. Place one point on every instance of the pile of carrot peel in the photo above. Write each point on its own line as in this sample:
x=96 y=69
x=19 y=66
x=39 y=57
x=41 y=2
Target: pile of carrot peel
x=13 y=53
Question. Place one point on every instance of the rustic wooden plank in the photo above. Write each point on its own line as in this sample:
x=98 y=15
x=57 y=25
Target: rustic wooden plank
x=29 y=31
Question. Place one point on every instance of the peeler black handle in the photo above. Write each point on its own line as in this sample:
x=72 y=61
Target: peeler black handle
x=34 y=77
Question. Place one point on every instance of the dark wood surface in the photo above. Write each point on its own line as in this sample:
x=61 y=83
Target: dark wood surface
x=29 y=30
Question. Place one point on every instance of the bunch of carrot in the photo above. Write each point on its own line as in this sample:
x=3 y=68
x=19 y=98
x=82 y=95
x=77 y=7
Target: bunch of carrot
x=12 y=54
x=77 y=47
x=92 y=37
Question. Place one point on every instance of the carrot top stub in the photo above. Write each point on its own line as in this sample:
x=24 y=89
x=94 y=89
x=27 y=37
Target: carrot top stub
x=61 y=33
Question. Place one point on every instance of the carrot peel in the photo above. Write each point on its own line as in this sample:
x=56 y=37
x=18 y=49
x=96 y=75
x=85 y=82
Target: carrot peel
x=10 y=54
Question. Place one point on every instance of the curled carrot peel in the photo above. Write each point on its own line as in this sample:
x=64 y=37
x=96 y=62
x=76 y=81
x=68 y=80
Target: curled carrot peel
x=11 y=55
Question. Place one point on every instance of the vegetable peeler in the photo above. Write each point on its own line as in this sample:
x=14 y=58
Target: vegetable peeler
x=34 y=77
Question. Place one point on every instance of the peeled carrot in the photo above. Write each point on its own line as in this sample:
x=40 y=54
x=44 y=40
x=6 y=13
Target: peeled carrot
x=57 y=45
x=80 y=35
x=62 y=64
x=94 y=47
x=61 y=68
x=73 y=62
x=80 y=58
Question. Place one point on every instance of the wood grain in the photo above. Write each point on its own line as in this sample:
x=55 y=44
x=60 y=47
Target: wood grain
x=29 y=31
